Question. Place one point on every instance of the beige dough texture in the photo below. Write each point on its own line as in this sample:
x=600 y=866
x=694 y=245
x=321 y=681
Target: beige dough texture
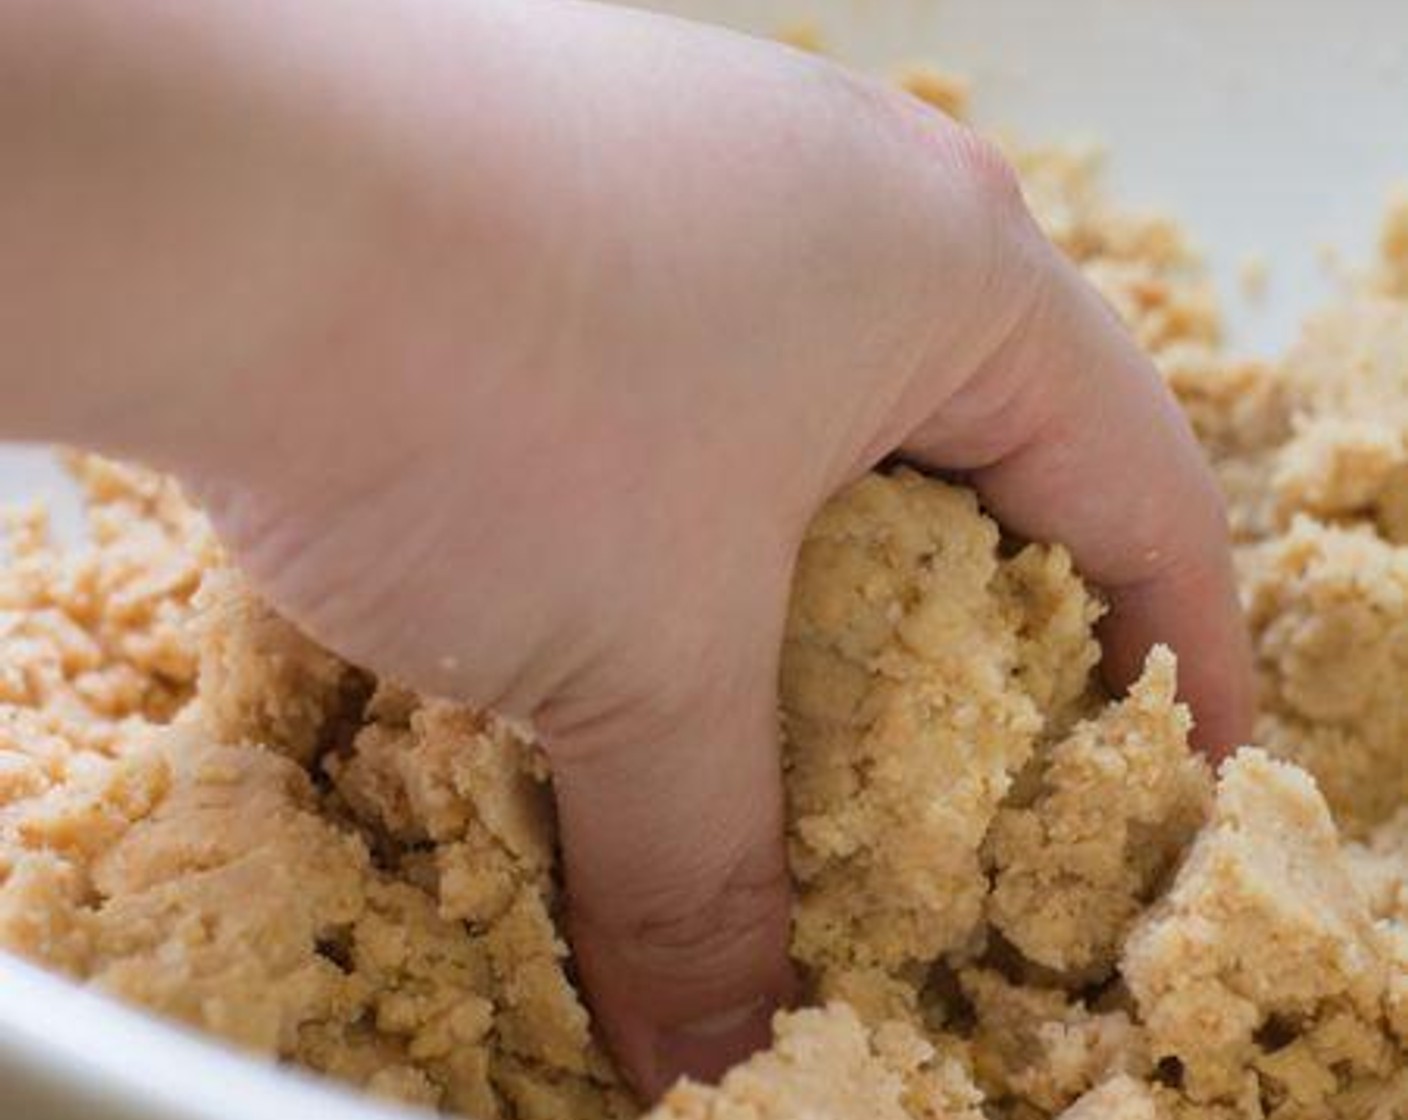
x=1017 y=897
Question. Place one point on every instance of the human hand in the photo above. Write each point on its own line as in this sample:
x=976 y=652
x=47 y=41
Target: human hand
x=513 y=346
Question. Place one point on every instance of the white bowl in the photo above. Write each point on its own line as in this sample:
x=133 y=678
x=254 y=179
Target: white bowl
x=1274 y=127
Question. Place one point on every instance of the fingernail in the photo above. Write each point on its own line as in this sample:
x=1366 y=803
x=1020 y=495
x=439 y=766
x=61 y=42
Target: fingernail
x=708 y=1047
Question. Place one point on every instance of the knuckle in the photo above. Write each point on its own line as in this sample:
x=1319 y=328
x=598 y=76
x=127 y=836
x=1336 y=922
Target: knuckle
x=676 y=936
x=631 y=690
x=972 y=162
x=985 y=172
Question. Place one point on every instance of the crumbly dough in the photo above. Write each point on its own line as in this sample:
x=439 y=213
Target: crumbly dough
x=259 y=680
x=1017 y=898
x=1119 y=800
x=1393 y=244
x=253 y=840
x=908 y=700
x=1038 y=1049
x=825 y=1062
x=1120 y=1098
x=1328 y=606
x=1263 y=960
x=942 y=89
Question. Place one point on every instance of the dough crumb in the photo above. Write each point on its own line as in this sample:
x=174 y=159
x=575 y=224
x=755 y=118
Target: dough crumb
x=804 y=35
x=1393 y=246
x=905 y=719
x=1120 y=1098
x=1263 y=962
x=261 y=680
x=1042 y=1048
x=1328 y=608
x=826 y=1065
x=949 y=93
x=1119 y=800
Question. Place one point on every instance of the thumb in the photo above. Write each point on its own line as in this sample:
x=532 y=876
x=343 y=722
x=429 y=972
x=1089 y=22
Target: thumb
x=671 y=818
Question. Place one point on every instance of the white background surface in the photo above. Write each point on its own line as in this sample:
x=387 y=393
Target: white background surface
x=1274 y=127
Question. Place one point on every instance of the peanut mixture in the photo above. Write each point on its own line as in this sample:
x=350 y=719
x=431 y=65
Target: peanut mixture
x=1018 y=898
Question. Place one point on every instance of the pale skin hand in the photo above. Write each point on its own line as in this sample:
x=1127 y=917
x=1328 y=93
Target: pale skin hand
x=513 y=345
